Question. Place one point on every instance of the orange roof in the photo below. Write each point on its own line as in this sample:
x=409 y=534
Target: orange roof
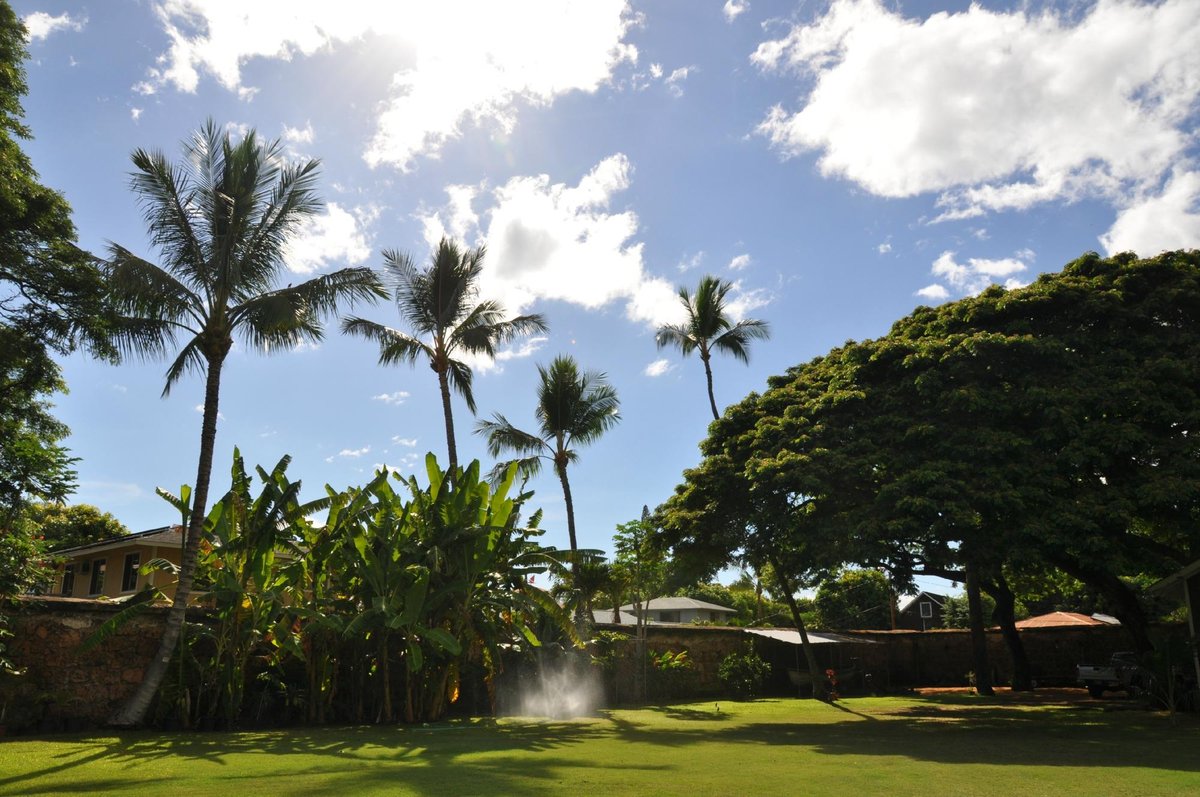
x=1058 y=619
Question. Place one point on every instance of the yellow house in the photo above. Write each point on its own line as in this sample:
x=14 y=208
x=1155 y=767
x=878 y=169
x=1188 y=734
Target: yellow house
x=109 y=568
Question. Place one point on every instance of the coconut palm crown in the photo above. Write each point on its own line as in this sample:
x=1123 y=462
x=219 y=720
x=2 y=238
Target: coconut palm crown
x=709 y=329
x=575 y=408
x=220 y=220
x=440 y=305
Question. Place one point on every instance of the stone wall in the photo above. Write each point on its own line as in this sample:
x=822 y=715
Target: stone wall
x=64 y=686
x=893 y=659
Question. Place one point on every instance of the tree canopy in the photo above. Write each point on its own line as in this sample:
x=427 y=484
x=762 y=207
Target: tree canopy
x=1052 y=426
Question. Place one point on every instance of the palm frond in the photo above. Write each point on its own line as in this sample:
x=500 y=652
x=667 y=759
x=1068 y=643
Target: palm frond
x=394 y=346
x=502 y=436
x=461 y=379
x=736 y=341
x=190 y=358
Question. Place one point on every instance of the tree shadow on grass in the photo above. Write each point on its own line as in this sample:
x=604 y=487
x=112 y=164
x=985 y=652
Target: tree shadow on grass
x=535 y=757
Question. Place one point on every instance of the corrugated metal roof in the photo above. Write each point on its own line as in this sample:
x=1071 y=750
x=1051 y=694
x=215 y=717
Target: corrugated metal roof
x=792 y=636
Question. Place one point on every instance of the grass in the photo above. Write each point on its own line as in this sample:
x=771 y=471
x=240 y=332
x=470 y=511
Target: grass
x=949 y=744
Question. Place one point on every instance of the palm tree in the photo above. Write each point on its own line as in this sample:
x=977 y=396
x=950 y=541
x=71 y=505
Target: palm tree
x=574 y=409
x=220 y=220
x=439 y=305
x=708 y=329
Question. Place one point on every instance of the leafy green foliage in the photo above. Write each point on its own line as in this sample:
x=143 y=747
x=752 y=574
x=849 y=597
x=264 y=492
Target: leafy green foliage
x=70 y=525
x=955 y=613
x=382 y=606
x=1045 y=428
x=744 y=673
x=854 y=599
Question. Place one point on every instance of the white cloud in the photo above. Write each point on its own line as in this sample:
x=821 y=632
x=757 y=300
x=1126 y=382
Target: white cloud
x=299 y=135
x=119 y=388
x=992 y=110
x=397 y=398
x=349 y=453
x=135 y=114
x=656 y=70
x=676 y=78
x=975 y=274
x=884 y=248
x=738 y=263
x=456 y=62
x=335 y=237
x=561 y=242
x=657 y=368
x=934 y=293
x=200 y=409
x=687 y=263
x=40 y=25
x=734 y=8
x=407 y=442
x=743 y=302
x=526 y=348
x=1159 y=223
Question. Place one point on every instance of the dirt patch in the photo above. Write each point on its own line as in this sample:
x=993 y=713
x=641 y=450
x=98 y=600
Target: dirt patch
x=1062 y=696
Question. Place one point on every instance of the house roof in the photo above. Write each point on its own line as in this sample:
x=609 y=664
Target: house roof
x=1059 y=619
x=792 y=636
x=165 y=535
x=908 y=601
x=674 y=604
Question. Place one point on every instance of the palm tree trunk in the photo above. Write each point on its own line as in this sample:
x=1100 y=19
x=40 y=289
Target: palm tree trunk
x=133 y=711
x=444 y=384
x=562 y=477
x=712 y=402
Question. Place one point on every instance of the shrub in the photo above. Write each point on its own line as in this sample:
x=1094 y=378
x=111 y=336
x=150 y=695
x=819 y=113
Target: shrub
x=744 y=674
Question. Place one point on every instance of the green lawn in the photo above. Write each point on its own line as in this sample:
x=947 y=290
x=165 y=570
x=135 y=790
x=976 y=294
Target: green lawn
x=922 y=746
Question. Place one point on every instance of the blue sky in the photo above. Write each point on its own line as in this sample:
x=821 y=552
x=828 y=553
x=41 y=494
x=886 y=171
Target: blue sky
x=841 y=163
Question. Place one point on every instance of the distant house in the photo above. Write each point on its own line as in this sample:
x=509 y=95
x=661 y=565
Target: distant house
x=1066 y=619
x=670 y=610
x=109 y=568
x=920 y=612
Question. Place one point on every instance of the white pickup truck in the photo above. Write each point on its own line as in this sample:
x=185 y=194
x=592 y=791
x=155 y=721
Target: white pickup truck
x=1123 y=672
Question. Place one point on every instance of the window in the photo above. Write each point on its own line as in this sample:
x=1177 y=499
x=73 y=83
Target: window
x=97 y=577
x=926 y=609
x=129 y=576
x=668 y=616
x=68 y=586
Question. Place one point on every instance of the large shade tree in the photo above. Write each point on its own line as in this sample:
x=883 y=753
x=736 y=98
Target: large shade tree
x=220 y=220
x=441 y=305
x=710 y=328
x=51 y=302
x=574 y=408
x=1048 y=427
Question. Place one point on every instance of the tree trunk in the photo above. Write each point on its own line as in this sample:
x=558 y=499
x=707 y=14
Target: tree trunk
x=1124 y=602
x=566 y=486
x=814 y=670
x=1006 y=617
x=451 y=448
x=133 y=711
x=979 y=654
x=712 y=401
